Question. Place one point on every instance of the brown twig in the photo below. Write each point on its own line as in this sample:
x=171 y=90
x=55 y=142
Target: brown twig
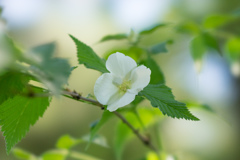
x=76 y=96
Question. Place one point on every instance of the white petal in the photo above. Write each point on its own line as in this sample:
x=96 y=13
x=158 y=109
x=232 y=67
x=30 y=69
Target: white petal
x=126 y=99
x=120 y=65
x=140 y=78
x=104 y=89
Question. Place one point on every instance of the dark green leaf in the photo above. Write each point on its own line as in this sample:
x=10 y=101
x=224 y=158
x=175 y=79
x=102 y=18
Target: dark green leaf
x=18 y=114
x=11 y=84
x=215 y=21
x=198 y=48
x=52 y=72
x=156 y=73
x=88 y=57
x=161 y=96
x=211 y=42
x=158 y=48
x=114 y=37
x=152 y=29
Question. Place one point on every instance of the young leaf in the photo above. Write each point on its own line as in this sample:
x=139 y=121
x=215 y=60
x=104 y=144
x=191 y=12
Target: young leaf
x=88 y=57
x=161 y=96
x=198 y=48
x=105 y=117
x=55 y=155
x=114 y=37
x=18 y=114
x=66 y=142
x=157 y=76
x=152 y=29
x=52 y=72
x=24 y=155
x=11 y=84
x=158 y=48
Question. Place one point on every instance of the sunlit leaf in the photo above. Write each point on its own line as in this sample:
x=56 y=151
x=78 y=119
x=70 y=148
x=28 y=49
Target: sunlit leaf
x=24 y=155
x=88 y=57
x=215 y=21
x=18 y=114
x=161 y=96
x=66 y=142
x=233 y=48
x=55 y=155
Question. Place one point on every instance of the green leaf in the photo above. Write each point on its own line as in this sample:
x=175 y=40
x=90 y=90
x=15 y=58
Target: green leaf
x=156 y=73
x=88 y=57
x=161 y=96
x=18 y=114
x=211 y=42
x=11 y=84
x=82 y=156
x=97 y=139
x=152 y=29
x=94 y=129
x=198 y=48
x=21 y=154
x=159 y=48
x=114 y=37
x=66 y=142
x=189 y=27
x=55 y=155
x=52 y=72
x=233 y=48
x=215 y=21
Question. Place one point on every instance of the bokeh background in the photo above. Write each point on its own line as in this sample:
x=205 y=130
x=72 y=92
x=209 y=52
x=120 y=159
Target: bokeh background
x=215 y=137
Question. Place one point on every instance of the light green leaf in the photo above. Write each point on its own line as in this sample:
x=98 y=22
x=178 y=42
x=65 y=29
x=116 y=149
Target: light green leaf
x=82 y=156
x=18 y=114
x=158 y=48
x=198 y=48
x=11 y=84
x=152 y=29
x=55 y=155
x=52 y=72
x=88 y=57
x=161 y=96
x=189 y=27
x=215 y=21
x=232 y=48
x=66 y=142
x=114 y=37
x=21 y=154
x=156 y=73
x=105 y=117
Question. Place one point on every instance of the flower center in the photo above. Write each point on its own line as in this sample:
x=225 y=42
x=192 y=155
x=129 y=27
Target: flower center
x=124 y=86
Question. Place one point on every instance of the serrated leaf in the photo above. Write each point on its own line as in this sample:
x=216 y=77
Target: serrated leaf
x=161 y=96
x=215 y=21
x=18 y=114
x=156 y=73
x=88 y=57
x=105 y=117
x=114 y=37
x=11 y=84
x=66 y=142
x=198 y=48
x=152 y=29
x=158 y=48
x=52 y=72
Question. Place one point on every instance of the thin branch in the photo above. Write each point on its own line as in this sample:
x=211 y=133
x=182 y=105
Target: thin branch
x=76 y=96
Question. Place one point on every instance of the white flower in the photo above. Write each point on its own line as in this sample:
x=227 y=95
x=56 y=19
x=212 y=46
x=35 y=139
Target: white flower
x=119 y=87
